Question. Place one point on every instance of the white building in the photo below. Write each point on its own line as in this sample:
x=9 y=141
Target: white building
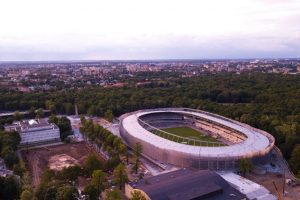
x=35 y=131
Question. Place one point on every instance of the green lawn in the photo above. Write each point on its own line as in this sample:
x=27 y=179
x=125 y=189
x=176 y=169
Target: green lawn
x=189 y=133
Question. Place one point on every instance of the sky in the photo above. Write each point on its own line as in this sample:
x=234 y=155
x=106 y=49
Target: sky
x=37 y=30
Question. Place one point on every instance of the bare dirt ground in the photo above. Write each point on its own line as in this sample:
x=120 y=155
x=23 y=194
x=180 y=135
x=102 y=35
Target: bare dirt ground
x=291 y=193
x=103 y=122
x=37 y=160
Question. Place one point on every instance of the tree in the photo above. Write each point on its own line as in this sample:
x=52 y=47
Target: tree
x=295 y=159
x=69 y=108
x=63 y=124
x=110 y=138
x=137 y=195
x=137 y=154
x=112 y=163
x=109 y=115
x=31 y=112
x=9 y=188
x=91 y=192
x=137 y=149
x=65 y=127
x=122 y=149
x=92 y=163
x=9 y=140
x=27 y=195
x=2 y=123
x=82 y=119
x=26 y=179
x=92 y=110
x=136 y=165
x=113 y=195
x=245 y=166
x=19 y=169
x=50 y=105
x=67 y=192
x=39 y=113
x=9 y=120
x=70 y=173
x=18 y=116
x=120 y=176
x=53 y=119
x=51 y=193
x=9 y=156
x=47 y=176
x=99 y=180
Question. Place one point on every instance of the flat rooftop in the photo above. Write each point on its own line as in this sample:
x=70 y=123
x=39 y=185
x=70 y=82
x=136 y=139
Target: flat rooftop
x=188 y=184
x=251 y=189
x=30 y=125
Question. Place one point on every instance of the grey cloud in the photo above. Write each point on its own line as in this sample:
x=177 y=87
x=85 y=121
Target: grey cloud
x=169 y=46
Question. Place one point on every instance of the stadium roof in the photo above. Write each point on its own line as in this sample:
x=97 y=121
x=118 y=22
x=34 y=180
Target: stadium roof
x=257 y=142
x=186 y=184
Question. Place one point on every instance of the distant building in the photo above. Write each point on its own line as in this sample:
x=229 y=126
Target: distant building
x=185 y=184
x=35 y=131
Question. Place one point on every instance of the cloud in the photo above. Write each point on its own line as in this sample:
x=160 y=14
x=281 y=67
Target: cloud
x=139 y=29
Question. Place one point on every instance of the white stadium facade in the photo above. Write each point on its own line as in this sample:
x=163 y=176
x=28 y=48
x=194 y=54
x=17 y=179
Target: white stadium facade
x=235 y=140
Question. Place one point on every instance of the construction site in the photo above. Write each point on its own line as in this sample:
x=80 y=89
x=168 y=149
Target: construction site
x=55 y=157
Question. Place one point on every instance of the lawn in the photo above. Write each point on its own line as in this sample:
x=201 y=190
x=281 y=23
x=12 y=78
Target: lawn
x=189 y=133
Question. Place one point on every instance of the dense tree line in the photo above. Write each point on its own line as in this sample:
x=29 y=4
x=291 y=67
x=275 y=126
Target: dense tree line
x=9 y=142
x=11 y=186
x=104 y=139
x=116 y=148
x=266 y=101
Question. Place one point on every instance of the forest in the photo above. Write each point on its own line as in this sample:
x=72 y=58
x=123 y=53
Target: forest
x=267 y=101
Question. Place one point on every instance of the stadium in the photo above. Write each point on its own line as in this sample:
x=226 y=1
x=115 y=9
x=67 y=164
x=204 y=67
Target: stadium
x=194 y=138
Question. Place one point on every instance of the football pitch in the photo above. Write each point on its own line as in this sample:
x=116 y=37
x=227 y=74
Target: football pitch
x=189 y=133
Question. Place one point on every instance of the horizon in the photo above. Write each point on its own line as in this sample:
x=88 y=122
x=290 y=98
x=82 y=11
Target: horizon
x=143 y=60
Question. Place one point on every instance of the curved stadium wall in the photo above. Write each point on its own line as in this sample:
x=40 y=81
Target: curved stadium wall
x=243 y=141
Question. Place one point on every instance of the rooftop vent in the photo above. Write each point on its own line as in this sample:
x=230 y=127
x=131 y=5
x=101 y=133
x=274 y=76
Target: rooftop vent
x=32 y=122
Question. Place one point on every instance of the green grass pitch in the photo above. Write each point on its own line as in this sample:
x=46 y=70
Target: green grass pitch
x=189 y=133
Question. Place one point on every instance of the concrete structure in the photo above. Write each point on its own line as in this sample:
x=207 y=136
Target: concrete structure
x=185 y=184
x=252 y=190
x=242 y=140
x=35 y=131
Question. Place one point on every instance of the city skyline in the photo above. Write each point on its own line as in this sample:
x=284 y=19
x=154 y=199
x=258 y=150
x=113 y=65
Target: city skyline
x=139 y=30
